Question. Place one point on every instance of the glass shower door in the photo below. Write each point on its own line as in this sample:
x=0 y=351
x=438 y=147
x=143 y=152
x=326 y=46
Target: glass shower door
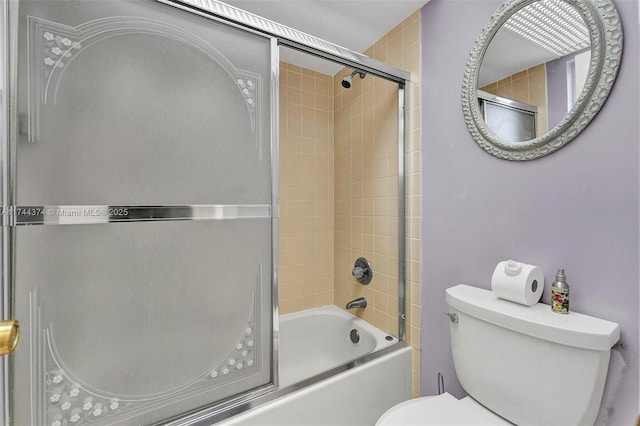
x=141 y=237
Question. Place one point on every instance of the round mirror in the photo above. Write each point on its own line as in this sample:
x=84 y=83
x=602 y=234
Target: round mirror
x=538 y=73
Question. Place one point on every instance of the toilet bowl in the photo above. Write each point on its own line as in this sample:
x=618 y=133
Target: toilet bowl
x=441 y=410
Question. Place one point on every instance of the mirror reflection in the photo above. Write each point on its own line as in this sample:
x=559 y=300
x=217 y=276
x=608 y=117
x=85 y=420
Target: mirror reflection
x=534 y=70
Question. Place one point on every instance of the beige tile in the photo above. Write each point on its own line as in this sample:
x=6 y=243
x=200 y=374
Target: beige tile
x=491 y=88
x=339 y=185
x=294 y=96
x=538 y=88
x=294 y=79
x=519 y=75
x=395 y=48
x=414 y=17
x=521 y=88
x=308 y=83
x=294 y=68
x=308 y=72
x=411 y=58
x=505 y=89
x=537 y=69
x=395 y=31
x=323 y=85
x=308 y=99
x=411 y=33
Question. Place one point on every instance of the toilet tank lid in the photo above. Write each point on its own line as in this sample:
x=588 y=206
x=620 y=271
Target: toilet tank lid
x=574 y=329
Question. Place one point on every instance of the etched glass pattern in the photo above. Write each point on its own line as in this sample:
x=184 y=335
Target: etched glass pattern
x=127 y=103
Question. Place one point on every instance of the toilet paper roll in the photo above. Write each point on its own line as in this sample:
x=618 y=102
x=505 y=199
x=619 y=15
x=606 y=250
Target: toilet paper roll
x=517 y=282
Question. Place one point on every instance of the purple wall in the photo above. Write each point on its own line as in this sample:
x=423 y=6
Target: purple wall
x=576 y=208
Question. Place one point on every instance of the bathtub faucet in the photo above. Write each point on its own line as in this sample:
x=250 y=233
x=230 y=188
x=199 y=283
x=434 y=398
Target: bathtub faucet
x=360 y=302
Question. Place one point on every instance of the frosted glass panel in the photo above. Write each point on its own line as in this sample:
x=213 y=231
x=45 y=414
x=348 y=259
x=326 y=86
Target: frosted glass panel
x=137 y=103
x=140 y=316
x=510 y=124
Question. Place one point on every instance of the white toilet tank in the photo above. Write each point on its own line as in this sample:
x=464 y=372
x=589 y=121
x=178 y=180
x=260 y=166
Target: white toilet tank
x=528 y=364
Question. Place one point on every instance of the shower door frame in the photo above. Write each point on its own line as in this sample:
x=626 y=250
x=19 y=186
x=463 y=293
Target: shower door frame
x=279 y=35
x=303 y=42
x=12 y=216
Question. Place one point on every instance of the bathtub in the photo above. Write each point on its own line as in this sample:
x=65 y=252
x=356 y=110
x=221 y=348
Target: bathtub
x=326 y=379
x=318 y=340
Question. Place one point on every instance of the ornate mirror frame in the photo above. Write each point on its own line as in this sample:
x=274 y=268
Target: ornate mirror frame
x=605 y=28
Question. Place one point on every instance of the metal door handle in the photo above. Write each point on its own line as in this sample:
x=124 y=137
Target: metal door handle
x=9 y=335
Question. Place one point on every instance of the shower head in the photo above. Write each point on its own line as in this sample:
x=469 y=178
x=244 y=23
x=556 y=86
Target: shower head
x=347 y=81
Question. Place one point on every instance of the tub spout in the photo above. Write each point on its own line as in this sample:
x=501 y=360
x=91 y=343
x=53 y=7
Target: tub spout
x=360 y=302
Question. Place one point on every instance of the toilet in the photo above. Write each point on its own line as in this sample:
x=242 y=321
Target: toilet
x=520 y=365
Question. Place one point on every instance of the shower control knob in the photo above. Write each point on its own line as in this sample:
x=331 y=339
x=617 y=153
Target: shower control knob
x=358 y=272
x=362 y=271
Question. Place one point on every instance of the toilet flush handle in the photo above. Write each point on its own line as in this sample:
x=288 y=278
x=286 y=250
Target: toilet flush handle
x=452 y=317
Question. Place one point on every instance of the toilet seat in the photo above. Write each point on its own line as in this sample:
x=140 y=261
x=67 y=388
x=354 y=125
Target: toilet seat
x=441 y=410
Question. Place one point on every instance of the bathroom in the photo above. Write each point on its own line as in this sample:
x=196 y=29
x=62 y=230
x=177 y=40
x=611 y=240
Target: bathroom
x=465 y=210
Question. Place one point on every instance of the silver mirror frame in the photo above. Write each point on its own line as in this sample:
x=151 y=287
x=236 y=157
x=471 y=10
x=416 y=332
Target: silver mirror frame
x=605 y=28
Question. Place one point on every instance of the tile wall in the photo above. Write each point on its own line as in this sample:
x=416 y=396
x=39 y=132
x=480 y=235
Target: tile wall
x=306 y=189
x=338 y=187
x=366 y=198
x=529 y=87
x=366 y=173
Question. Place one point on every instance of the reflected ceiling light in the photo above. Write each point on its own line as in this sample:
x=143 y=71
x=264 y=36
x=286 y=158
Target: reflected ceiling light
x=551 y=24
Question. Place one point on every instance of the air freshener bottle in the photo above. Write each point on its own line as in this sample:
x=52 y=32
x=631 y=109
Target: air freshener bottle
x=560 y=294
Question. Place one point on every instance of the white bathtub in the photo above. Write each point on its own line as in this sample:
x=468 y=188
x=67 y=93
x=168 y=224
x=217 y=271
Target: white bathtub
x=318 y=340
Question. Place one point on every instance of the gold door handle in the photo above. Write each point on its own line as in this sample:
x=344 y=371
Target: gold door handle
x=9 y=335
